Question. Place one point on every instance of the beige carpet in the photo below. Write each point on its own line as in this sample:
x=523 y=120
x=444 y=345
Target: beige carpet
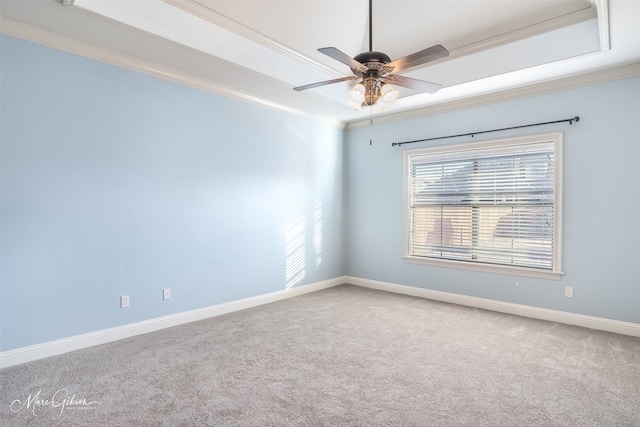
x=345 y=356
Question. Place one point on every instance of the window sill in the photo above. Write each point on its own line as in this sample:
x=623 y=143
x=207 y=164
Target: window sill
x=486 y=268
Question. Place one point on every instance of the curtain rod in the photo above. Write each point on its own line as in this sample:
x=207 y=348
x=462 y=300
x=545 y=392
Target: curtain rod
x=571 y=120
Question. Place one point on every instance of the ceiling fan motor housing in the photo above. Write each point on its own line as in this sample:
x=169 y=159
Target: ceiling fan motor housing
x=374 y=61
x=371 y=60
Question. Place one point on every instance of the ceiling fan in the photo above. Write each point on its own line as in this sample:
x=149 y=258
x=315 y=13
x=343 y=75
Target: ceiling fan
x=376 y=71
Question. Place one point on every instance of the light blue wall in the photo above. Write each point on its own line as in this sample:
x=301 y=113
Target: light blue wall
x=601 y=200
x=116 y=183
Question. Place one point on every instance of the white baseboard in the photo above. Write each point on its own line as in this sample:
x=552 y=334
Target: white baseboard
x=599 y=323
x=53 y=348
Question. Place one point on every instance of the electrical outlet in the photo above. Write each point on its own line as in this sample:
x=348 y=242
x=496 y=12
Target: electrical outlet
x=568 y=292
x=166 y=293
x=124 y=301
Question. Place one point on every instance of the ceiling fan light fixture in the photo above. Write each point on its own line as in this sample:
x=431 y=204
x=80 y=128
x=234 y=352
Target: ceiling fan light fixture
x=388 y=94
x=381 y=106
x=356 y=94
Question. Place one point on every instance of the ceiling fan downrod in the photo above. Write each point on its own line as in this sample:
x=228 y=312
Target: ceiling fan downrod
x=371 y=26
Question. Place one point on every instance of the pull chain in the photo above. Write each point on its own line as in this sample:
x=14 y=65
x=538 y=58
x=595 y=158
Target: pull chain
x=371 y=125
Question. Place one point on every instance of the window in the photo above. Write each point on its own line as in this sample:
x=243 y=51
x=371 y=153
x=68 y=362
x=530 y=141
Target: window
x=492 y=206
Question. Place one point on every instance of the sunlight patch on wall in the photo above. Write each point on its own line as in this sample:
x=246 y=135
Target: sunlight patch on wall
x=317 y=233
x=295 y=252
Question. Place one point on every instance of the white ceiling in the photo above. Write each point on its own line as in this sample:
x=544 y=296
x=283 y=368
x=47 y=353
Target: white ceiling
x=259 y=50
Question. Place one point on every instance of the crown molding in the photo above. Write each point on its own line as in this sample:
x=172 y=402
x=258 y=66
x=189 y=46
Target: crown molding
x=196 y=8
x=200 y=10
x=522 y=33
x=41 y=36
x=75 y=46
x=569 y=82
x=602 y=6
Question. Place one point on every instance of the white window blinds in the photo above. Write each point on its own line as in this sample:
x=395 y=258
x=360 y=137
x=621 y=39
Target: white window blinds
x=490 y=203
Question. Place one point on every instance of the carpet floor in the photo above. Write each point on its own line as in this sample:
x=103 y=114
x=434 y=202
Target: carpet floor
x=344 y=356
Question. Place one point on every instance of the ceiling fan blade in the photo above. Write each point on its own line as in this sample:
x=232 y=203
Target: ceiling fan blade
x=338 y=55
x=421 y=85
x=422 y=57
x=327 y=82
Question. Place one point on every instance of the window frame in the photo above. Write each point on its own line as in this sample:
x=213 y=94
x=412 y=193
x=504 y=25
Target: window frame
x=465 y=151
